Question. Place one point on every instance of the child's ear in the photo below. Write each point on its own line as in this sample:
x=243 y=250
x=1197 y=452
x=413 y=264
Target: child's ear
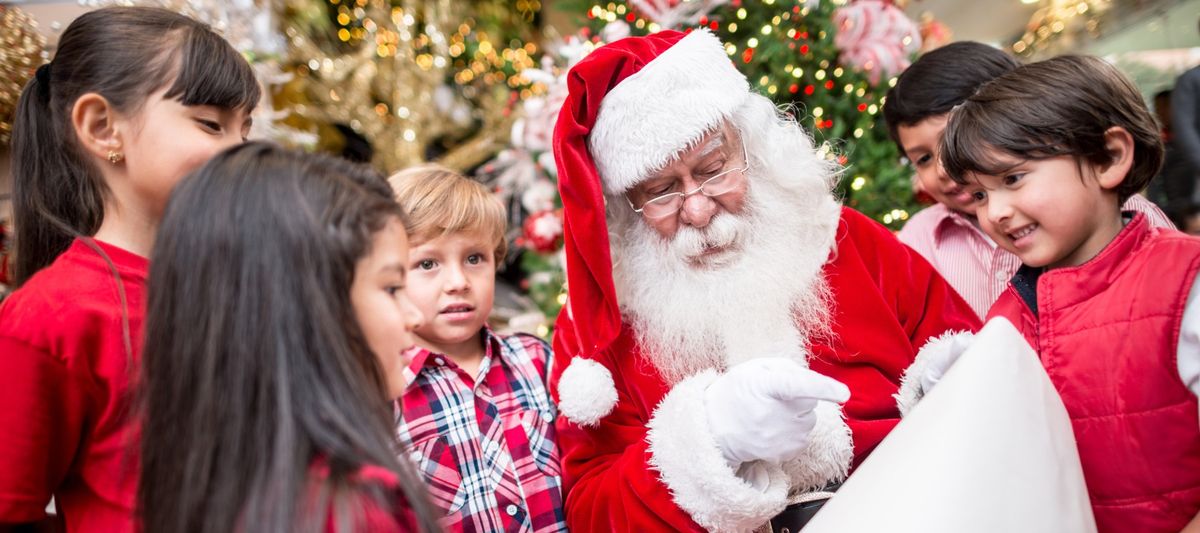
x=1119 y=145
x=94 y=120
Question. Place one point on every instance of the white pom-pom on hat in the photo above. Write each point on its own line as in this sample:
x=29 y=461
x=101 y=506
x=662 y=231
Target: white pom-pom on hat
x=586 y=392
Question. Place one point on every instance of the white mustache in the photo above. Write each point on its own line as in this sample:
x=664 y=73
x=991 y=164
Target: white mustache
x=721 y=231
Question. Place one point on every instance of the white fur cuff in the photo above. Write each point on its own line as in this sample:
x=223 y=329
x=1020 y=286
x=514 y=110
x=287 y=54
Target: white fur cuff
x=930 y=355
x=829 y=454
x=586 y=392
x=683 y=451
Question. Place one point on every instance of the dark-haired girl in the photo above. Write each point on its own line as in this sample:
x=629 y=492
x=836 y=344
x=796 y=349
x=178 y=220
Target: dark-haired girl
x=134 y=99
x=275 y=337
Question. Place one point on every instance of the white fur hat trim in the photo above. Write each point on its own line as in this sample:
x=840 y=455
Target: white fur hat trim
x=664 y=108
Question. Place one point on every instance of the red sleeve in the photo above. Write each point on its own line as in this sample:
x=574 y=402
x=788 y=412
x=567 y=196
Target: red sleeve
x=925 y=304
x=911 y=304
x=44 y=413
x=607 y=478
x=612 y=486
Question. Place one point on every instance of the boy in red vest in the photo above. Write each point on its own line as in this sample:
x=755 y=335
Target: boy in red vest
x=1050 y=151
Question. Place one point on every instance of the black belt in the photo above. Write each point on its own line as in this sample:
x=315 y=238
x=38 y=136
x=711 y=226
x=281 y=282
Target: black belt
x=797 y=515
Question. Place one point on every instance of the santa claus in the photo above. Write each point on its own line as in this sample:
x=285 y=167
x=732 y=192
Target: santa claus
x=735 y=341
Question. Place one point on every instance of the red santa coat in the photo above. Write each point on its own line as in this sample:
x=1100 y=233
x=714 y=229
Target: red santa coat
x=888 y=302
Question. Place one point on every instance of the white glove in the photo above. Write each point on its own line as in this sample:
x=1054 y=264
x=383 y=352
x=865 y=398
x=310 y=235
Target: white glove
x=942 y=359
x=763 y=409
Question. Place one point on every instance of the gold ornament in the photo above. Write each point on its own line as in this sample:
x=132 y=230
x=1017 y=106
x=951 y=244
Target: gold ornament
x=386 y=69
x=21 y=48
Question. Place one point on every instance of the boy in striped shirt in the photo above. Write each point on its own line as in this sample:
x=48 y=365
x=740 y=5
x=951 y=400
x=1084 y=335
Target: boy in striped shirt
x=947 y=233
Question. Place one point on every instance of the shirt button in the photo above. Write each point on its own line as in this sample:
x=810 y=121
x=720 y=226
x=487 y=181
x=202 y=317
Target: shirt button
x=440 y=361
x=415 y=456
x=547 y=417
x=1002 y=276
x=511 y=510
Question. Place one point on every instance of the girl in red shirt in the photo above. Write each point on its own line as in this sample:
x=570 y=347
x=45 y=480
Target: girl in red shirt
x=134 y=99
x=276 y=332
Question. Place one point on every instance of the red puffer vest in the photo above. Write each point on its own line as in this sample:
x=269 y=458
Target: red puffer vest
x=1107 y=333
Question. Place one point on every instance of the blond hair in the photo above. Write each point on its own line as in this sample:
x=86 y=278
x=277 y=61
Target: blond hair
x=438 y=201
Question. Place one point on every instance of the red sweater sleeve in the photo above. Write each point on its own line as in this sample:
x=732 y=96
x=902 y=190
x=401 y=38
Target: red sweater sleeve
x=43 y=417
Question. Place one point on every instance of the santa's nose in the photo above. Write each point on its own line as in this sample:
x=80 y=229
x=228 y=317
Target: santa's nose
x=698 y=210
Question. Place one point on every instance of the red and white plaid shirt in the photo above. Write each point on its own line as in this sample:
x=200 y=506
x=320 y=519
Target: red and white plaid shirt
x=969 y=260
x=486 y=447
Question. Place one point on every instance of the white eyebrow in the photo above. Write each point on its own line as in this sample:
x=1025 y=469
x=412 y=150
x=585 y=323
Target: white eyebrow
x=712 y=145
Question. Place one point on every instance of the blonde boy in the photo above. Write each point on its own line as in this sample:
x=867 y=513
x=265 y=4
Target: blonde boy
x=476 y=416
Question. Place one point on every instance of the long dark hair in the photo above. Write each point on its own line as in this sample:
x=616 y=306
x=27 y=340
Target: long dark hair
x=124 y=54
x=254 y=365
x=1058 y=107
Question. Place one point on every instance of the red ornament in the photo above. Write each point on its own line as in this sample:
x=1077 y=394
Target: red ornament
x=714 y=25
x=794 y=89
x=747 y=55
x=804 y=49
x=630 y=17
x=828 y=84
x=862 y=108
x=542 y=231
x=808 y=89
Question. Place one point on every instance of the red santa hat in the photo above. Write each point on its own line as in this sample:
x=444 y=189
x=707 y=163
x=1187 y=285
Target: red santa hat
x=632 y=106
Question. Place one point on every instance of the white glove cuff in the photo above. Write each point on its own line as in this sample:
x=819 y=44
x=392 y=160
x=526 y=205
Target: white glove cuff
x=926 y=361
x=828 y=455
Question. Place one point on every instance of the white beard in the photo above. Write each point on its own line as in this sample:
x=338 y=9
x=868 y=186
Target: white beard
x=766 y=297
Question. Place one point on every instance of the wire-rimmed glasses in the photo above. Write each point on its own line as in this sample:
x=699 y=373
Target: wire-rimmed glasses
x=668 y=204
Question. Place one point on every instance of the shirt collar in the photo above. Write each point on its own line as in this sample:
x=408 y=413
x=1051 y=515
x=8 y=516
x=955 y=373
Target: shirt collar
x=949 y=219
x=422 y=358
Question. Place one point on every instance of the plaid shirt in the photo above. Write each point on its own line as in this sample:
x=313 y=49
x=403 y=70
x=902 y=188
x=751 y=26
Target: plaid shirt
x=486 y=448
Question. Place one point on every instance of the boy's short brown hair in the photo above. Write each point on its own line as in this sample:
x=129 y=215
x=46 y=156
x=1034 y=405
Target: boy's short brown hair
x=1060 y=106
x=438 y=201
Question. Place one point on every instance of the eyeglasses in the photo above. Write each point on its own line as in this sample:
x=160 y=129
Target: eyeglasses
x=668 y=204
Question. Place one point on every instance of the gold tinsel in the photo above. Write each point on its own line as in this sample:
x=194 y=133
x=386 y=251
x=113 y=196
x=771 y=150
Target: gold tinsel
x=383 y=94
x=382 y=77
x=21 y=48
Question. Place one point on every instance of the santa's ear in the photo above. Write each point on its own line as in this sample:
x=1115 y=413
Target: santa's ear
x=1118 y=143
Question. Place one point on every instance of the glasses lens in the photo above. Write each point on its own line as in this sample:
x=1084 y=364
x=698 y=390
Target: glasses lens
x=663 y=206
x=722 y=183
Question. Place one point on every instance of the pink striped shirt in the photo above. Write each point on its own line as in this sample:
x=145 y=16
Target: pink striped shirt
x=969 y=260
